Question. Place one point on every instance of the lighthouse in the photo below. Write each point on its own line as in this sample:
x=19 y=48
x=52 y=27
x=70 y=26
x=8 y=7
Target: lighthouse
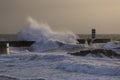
x=93 y=33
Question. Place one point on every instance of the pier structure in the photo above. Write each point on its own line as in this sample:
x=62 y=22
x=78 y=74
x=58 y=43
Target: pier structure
x=94 y=39
x=4 y=48
x=5 y=45
x=83 y=41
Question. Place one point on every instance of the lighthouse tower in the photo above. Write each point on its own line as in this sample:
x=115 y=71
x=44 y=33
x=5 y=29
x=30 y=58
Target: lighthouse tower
x=93 y=33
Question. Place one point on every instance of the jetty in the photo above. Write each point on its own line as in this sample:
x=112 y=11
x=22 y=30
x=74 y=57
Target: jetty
x=12 y=40
x=89 y=41
x=97 y=52
x=4 y=45
x=96 y=38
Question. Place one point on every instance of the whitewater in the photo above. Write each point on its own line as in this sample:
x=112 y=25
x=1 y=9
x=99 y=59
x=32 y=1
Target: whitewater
x=47 y=58
x=44 y=36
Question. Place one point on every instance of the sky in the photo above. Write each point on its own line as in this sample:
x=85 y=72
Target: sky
x=78 y=16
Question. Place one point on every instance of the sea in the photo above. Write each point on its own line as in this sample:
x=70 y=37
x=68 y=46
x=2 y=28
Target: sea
x=49 y=59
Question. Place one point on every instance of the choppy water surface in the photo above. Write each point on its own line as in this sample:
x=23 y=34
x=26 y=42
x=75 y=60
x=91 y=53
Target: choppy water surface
x=57 y=66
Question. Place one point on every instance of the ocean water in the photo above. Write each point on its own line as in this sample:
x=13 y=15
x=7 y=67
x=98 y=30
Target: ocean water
x=24 y=65
x=48 y=58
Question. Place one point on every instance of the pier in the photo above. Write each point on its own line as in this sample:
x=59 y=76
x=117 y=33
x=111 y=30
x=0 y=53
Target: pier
x=4 y=48
x=89 y=41
x=96 y=38
x=4 y=45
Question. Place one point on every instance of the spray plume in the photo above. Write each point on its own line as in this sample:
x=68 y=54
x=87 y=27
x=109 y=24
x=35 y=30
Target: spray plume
x=44 y=36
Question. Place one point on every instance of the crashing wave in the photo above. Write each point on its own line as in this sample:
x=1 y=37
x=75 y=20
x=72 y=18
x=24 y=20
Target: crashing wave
x=44 y=37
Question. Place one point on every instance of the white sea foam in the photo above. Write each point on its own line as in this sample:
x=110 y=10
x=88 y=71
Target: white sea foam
x=57 y=66
x=111 y=45
x=43 y=35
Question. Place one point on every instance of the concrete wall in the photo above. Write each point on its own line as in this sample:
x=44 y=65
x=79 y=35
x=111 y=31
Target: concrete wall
x=82 y=41
x=18 y=43
x=4 y=45
x=4 y=48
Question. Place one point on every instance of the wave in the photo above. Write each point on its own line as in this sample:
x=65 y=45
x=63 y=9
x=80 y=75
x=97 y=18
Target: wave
x=44 y=36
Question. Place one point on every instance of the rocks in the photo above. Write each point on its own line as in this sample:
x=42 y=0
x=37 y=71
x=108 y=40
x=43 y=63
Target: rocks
x=97 y=52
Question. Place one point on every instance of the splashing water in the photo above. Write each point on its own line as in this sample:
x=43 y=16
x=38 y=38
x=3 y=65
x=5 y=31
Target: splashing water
x=44 y=36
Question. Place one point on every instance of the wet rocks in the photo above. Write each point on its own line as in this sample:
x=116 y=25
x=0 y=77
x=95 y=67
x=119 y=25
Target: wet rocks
x=97 y=52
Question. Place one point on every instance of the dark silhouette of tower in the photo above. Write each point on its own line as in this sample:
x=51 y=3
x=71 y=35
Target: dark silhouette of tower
x=93 y=35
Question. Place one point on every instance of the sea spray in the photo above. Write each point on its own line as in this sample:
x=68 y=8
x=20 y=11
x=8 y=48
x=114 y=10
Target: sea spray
x=44 y=37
